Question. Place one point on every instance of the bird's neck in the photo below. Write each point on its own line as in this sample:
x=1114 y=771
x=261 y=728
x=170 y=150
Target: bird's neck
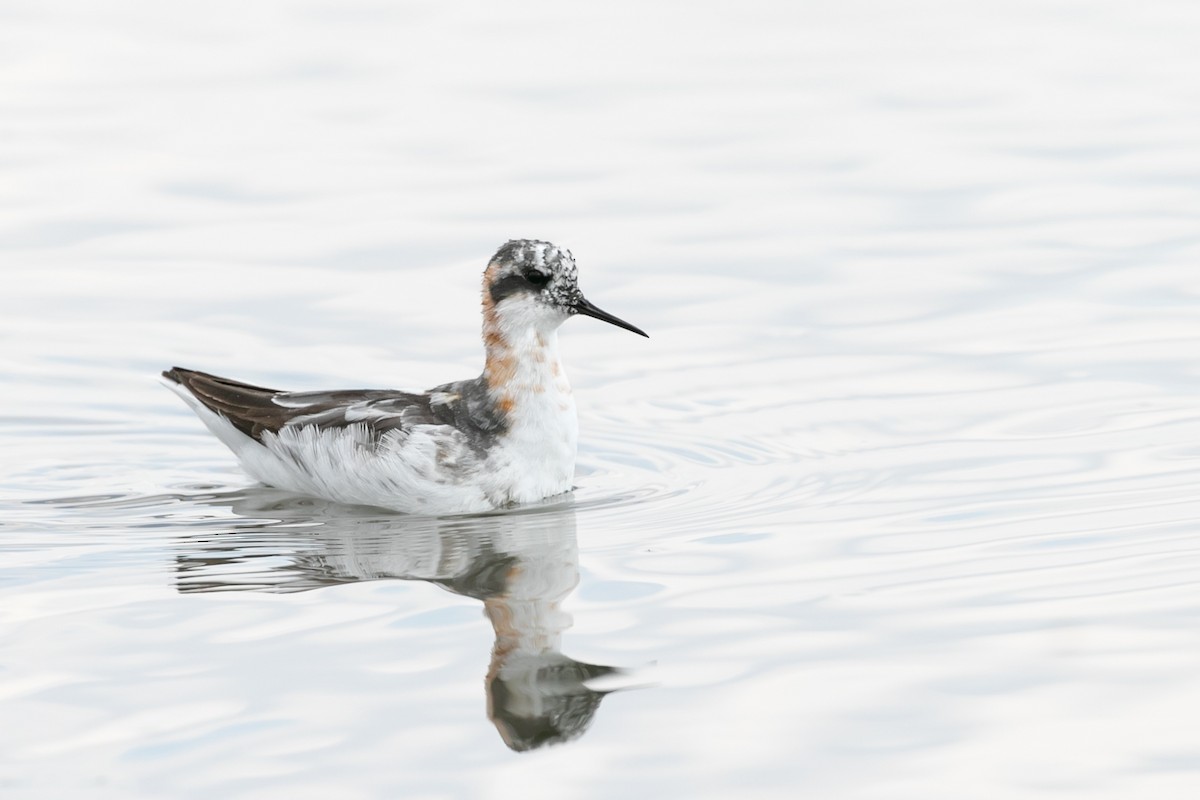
x=522 y=365
x=529 y=392
x=527 y=616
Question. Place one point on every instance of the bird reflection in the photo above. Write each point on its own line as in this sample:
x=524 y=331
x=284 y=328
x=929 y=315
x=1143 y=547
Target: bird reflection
x=520 y=565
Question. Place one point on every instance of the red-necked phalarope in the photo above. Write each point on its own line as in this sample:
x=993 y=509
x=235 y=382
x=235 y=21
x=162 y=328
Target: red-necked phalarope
x=506 y=437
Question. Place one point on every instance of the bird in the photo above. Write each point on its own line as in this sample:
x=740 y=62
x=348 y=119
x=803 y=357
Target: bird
x=506 y=438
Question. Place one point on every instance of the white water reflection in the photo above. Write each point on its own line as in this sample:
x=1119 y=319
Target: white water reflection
x=520 y=565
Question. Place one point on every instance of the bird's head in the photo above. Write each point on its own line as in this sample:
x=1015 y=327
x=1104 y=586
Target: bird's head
x=532 y=285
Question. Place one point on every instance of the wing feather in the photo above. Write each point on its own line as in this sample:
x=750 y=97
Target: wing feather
x=256 y=410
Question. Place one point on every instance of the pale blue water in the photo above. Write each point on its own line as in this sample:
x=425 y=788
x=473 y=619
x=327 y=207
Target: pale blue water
x=899 y=500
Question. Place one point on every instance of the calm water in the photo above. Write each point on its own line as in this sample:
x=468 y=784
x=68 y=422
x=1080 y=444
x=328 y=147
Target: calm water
x=899 y=500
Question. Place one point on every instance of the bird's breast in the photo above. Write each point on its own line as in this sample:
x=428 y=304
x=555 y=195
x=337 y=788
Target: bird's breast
x=535 y=457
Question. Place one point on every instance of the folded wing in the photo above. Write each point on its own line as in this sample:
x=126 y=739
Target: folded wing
x=256 y=410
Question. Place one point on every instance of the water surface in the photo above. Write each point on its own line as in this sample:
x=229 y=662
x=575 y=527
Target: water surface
x=898 y=500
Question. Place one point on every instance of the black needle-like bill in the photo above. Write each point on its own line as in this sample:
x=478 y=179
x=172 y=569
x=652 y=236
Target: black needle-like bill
x=587 y=308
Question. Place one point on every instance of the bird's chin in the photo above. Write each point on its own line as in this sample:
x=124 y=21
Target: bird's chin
x=516 y=319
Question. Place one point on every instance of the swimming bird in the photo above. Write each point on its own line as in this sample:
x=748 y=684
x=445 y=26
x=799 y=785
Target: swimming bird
x=506 y=437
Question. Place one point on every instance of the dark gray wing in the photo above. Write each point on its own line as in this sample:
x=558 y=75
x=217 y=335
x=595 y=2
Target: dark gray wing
x=254 y=410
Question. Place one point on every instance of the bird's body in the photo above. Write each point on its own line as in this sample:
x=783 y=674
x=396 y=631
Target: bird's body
x=504 y=438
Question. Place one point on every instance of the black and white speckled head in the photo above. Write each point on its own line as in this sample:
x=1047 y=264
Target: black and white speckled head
x=536 y=284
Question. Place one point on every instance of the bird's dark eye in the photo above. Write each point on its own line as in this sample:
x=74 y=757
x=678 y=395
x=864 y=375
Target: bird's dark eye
x=537 y=278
